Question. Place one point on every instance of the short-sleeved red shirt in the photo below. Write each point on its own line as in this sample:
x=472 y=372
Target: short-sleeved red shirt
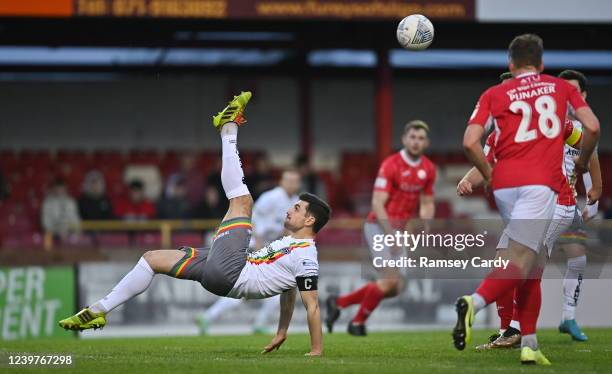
x=405 y=181
x=529 y=113
x=572 y=137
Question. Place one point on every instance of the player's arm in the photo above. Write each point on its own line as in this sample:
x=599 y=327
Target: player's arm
x=310 y=298
x=472 y=179
x=573 y=135
x=590 y=136
x=287 y=303
x=379 y=199
x=595 y=190
x=427 y=209
x=474 y=151
x=427 y=206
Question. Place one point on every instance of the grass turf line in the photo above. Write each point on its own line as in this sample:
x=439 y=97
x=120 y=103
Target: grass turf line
x=378 y=353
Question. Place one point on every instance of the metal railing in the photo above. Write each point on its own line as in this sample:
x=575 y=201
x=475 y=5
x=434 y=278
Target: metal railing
x=167 y=227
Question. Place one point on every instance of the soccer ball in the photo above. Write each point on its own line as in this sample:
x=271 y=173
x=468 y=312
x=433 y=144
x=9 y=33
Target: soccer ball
x=415 y=32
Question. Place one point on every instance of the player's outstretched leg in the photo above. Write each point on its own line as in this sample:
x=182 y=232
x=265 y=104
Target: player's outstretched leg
x=222 y=305
x=496 y=284
x=232 y=176
x=576 y=266
x=268 y=307
x=185 y=263
x=368 y=296
x=508 y=335
x=134 y=283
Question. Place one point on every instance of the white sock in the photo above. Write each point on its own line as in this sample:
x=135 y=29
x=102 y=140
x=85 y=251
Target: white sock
x=219 y=307
x=133 y=284
x=530 y=341
x=479 y=302
x=231 y=171
x=267 y=308
x=515 y=324
x=571 y=286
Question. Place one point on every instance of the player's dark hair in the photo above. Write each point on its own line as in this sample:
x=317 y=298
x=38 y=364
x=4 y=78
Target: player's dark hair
x=569 y=75
x=416 y=124
x=526 y=50
x=505 y=75
x=318 y=209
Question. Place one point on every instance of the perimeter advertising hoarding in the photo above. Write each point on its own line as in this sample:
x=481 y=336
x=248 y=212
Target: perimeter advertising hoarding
x=33 y=299
x=241 y=9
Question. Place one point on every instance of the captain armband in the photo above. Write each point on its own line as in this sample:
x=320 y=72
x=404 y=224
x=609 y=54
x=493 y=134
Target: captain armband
x=307 y=283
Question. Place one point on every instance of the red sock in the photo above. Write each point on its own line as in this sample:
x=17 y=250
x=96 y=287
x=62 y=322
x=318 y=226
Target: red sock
x=515 y=311
x=505 y=306
x=528 y=303
x=500 y=282
x=370 y=301
x=354 y=297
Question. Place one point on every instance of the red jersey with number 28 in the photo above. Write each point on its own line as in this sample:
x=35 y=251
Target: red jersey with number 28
x=404 y=181
x=572 y=136
x=528 y=113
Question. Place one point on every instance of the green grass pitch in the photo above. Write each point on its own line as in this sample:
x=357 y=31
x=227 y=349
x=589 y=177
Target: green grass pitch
x=378 y=353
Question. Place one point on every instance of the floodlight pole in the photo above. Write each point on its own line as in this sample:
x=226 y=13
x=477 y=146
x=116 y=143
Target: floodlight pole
x=383 y=111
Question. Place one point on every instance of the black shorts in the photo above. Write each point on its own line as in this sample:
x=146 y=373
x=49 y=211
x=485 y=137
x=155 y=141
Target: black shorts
x=217 y=268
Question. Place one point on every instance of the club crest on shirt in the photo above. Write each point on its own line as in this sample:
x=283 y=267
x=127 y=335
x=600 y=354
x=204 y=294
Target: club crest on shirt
x=422 y=174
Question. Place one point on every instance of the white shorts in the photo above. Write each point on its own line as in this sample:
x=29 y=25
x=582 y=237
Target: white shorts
x=562 y=220
x=526 y=212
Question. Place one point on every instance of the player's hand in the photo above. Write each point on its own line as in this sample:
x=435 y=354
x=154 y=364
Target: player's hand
x=464 y=188
x=275 y=344
x=580 y=167
x=593 y=196
x=313 y=353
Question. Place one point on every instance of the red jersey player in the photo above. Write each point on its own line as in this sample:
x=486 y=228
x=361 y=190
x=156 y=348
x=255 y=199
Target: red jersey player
x=403 y=188
x=509 y=333
x=528 y=113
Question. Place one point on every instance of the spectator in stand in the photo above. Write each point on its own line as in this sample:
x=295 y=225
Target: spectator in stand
x=93 y=202
x=135 y=206
x=192 y=176
x=261 y=178
x=213 y=180
x=211 y=207
x=174 y=204
x=310 y=180
x=59 y=214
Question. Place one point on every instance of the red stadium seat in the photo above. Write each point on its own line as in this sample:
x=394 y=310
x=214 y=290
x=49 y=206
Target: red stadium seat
x=144 y=157
x=8 y=161
x=108 y=158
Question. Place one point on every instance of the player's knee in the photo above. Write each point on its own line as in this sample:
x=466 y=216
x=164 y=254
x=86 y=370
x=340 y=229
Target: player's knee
x=152 y=259
x=242 y=205
x=389 y=287
x=148 y=256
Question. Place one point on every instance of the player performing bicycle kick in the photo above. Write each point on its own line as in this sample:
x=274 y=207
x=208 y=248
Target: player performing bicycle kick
x=226 y=269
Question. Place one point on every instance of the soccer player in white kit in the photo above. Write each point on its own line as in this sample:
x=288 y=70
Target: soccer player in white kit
x=572 y=241
x=269 y=212
x=227 y=268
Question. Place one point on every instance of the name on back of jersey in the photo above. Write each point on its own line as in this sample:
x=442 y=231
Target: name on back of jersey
x=532 y=90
